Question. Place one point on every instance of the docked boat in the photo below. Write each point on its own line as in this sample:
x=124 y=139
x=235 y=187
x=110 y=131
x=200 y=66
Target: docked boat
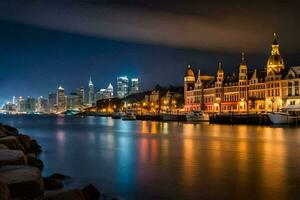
x=117 y=115
x=287 y=115
x=129 y=116
x=197 y=116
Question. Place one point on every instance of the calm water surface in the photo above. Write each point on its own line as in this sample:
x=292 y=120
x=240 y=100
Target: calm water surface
x=154 y=160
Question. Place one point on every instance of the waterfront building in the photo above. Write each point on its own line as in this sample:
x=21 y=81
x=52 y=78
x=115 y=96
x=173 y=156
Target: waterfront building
x=10 y=107
x=52 y=102
x=73 y=102
x=14 y=100
x=134 y=86
x=42 y=105
x=30 y=105
x=21 y=105
x=254 y=91
x=105 y=93
x=91 y=97
x=80 y=94
x=61 y=99
x=122 y=86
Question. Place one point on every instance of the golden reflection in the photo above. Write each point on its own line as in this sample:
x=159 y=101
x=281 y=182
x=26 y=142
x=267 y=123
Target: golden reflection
x=165 y=128
x=274 y=164
x=154 y=151
x=143 y=150
x=154 y=127
x=145 y=129
x=189 y=167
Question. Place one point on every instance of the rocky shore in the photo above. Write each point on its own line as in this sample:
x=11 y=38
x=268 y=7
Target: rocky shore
x=20 y=172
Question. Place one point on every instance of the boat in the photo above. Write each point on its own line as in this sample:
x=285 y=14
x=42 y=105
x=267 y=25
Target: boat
x=117 y=115
x=169 y=117
x=129 y=116
x=287 y=115
x=197 y=116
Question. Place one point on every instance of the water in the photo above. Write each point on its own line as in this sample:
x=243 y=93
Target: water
x=154 y=160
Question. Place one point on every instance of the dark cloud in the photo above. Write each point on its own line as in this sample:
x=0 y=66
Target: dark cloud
x=219 y=26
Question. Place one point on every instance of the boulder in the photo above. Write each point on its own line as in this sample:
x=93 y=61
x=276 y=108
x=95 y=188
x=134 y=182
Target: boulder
x=52 y=184
x=2 y=132
x=11 y=130
x=22 y=181
x=3 y=146
x=12 y=157
x=25 y=141
x=4 y=192
x=34 y=162
x=12 y=143
x=35 y=147
x=90 y=192
x=74 y=194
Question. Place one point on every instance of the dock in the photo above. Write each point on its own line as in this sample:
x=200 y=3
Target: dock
x=250 y=119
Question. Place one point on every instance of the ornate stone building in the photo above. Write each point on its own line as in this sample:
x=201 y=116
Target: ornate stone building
x=254 y=91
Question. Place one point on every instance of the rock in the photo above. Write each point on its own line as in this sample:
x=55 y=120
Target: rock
x=11 y=130
x=58 y=176
x=22 y=181
x=90 y=192
x=35 y=162
x=71 y=194
x=35 y=147
x=25 y=141
x=12 y=157
x=3 y=146
x=12 y=143
x=2 y=132
x=4 y=192
x=52 y=184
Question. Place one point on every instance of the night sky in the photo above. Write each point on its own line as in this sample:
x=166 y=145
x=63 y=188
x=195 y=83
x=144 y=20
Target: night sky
x=47 y=43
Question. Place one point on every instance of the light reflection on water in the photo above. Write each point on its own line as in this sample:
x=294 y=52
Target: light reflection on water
x=159 y=160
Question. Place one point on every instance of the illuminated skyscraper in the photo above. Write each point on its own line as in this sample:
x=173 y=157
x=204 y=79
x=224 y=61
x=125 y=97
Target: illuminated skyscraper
x=122 y=86
x=21 y=104
x=105 y=93
x=61 y=99
x=52 y=102
x=73 y=101
x=134 y=86
x=30 y=105
x=91 y=95
x=80 y=94
x=42 y=105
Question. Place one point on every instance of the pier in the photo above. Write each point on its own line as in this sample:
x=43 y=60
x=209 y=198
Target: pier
x=254 y=119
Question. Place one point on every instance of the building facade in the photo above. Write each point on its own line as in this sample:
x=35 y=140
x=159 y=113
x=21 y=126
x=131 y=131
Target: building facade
x=61 y=100
x=134 y=86
x=122 y=86
x=91 y=95
x=247 y=91
x=105 y=93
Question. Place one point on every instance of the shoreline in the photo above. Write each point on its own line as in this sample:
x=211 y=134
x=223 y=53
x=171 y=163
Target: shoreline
x=21 y=172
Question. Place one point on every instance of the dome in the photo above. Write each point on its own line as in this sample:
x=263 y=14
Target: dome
x=275 y=60
x=190 y=72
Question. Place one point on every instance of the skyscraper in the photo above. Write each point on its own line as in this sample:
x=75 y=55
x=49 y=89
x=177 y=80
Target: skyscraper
x=105 y=93
x=73 y=101
x=61 y=99
x=21 y=104
x=30 y=105
x=42 y=105
x=91 y=98
x=80 y=94
x=122 y=86
x=52 y=102
x=134 y=86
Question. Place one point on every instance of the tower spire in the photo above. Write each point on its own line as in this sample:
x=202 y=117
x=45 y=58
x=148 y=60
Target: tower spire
x=243 y=59
x=90 y=81
x=220 y=69
x=275 y=39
